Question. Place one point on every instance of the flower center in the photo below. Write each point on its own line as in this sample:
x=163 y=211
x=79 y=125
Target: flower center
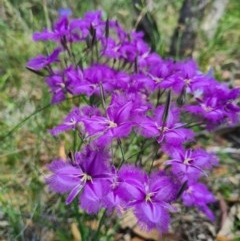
x=86 y=177
x=62 y=85
x=187 y=161
x=148 y=197
x=189 y=190
x=163 y=129
x=157 y=80
x=207 y=108
x=115 y=49
x=187 y=81
x=112 y=124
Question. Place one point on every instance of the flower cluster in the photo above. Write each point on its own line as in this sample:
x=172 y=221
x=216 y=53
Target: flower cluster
x=129 y=91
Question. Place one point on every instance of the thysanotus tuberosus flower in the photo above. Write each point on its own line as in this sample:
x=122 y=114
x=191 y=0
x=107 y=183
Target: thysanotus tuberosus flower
x=133 y=104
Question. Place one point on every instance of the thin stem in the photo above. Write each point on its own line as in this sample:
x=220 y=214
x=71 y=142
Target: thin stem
x=20 y=124
x=122 y=153
x=103 y=96
x=79 y=223
x=178 y=45
x=96 y=236
x=153 y=159
x=159 y=95
x=75 y=140
x=189 y=125
x=141 y=147
x=136 y=153
x=97 y=52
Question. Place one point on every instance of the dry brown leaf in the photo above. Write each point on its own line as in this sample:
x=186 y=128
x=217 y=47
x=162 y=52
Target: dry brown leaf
x=93 y=224
x=223 y=238
x=61 y=152
x=136 y=239
x=75 y=232
x=224 y=209
x=220 y=171
x=153 y=234
x=234 y=198
x=226 y=234
x=128 y=220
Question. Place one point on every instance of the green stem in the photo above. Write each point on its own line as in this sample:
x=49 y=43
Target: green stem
x=142 y=148
x=153 y=159
x=96 y=237
x=20 y=124
x=103 y=96
x=178 y=45
x=122 y=153
x=75 y=140
x=80 y=226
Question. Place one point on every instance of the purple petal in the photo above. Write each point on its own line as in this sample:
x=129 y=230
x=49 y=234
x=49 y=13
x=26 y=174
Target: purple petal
x=152 y=215
x=37 y=63
x=75 y=191
x=92 y=196
x=64 y=177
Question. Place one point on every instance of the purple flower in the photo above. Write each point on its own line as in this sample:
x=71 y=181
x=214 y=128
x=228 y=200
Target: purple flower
x=110 y=48
x=140 y=104
x=228 y=99
x=216 y=104
x=149 y=196
x=80 y=28
x=132 y=46
x=42 y=61
x=233 y=112
x=89 y=175
x=116 y=124
x=74 y=81
x=69 y=81
x=97 y=75
x=189 y=164
x=161 y=74
x=73 y=120
x=117 y=70
x=57 y=87
x=188 y=75
x=115 y=199
x=59 y=32
x=121 y=82
x=199 y=196
x=70 y=122
x=171 y=133
x=209 y=109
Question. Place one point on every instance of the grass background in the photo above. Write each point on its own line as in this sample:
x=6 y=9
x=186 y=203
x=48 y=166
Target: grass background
x=27 y=210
